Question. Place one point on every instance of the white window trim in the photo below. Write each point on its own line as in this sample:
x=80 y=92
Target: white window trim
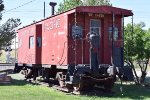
x=96 y=27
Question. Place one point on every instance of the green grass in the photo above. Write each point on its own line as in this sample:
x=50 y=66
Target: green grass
x=22 y=90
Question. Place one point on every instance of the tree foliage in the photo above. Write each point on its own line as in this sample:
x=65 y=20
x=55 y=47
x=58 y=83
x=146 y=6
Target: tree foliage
x=1 y=8
x=96 y=2
x=137 y=42
x=137 y=47
x=69 y=4
x=147 y=44
x=7 y=30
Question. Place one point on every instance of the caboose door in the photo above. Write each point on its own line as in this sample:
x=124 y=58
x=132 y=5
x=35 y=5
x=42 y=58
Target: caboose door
x=38 y=42
x=95 y=28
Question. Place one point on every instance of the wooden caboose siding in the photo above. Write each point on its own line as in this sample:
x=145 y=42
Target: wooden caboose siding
x=26 y=54
x=54 y=40
x=83 y=19
x=107 y=44
x=88 y=18
x=80 y=20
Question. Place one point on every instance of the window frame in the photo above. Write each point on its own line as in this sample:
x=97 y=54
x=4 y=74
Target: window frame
x=31 y=42
x=99 y=28
x=115 y=35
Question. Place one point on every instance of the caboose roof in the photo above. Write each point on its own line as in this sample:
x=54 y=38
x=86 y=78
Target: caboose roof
x=93 y=9
x=104 y=10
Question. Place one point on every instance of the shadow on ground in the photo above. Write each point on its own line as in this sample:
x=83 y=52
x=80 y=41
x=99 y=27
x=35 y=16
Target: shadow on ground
x=147 y=80
x=17 y=81
x=130 y=91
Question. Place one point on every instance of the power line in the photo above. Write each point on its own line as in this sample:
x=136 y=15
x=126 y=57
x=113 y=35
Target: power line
x=23 y=11
x=19 y=6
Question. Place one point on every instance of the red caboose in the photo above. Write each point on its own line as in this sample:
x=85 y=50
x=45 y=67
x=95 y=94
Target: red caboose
x=75 y=46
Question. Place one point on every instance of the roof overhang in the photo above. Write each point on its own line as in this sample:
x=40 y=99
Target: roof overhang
x=103 y=10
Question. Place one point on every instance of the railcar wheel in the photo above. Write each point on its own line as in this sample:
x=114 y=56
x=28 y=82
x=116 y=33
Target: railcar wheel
x=84 y=84
x=79 y=86
x=60 y=79
x=28 y=73
x=61 y=83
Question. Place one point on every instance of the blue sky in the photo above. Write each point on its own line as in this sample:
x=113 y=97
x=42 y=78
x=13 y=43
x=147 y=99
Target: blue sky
x=34 y=10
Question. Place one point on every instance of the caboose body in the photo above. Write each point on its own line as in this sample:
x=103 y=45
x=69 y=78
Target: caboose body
x=83 y=42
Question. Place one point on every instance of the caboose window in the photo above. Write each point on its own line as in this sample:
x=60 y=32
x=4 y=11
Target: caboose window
x=39 y=42
x=115 y=33
x=95 y=26
x=77 y=31
x=31 y=41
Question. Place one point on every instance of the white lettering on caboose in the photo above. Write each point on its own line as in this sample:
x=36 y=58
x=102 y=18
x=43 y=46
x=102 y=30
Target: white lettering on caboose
x=52 y=24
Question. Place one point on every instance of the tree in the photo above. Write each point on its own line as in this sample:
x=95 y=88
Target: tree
x=7 y=30
x=69 y=4
x=96 y=2
x=144 y=55
x=137 y=48
x=129 y=47
x=1 y=8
